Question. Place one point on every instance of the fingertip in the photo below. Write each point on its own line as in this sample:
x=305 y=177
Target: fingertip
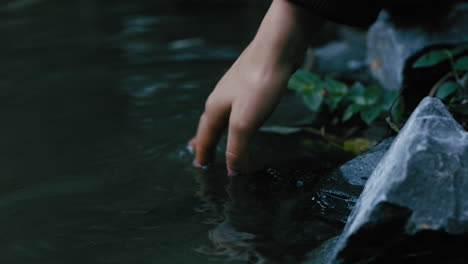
x=200 y=166
x=232 y=173
x=190 y=146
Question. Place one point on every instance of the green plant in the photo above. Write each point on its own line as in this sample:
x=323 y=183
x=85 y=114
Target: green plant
x=369 y=102
x=451 y=88
x=450 y=85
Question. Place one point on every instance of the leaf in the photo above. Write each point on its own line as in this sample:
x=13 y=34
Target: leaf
x=398 y=111
x=432 y=58
x=370 y=114
x=372 y=94
x=462 y=64
x=313 y=99
x=357 y=145
x=446 y=89
x=364 y=95
x=350 y=111
x=388 y=98
x=460 y=49
x=336 y=88
x=356 y=94
x=302 y=80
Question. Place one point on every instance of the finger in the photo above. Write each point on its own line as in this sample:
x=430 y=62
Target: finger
x=239 y=136
x=210 y=127
x=191 y=146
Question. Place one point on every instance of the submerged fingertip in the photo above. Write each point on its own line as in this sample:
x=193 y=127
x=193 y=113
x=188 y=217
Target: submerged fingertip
x=232 y=173
x=197 y=165
x=189 y=148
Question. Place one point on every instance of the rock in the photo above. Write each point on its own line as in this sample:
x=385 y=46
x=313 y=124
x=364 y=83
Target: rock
x=358 y=170
x=391 y=44
x=414 y=208
x=343 y=56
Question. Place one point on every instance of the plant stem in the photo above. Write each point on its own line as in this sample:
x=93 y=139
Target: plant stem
x=392 y=125
x=440 y=82
x=452 y=64
x=328 y=137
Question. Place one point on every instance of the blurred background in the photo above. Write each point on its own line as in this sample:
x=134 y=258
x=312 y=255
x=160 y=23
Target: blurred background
x=98 y=100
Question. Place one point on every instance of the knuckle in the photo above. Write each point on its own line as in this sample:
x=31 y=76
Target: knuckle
x=240 y=126
x=210 y=104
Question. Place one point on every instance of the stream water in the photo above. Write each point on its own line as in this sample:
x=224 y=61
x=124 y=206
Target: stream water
x=98 y=100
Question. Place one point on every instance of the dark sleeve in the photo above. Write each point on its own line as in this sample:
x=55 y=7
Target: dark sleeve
x=358 y=13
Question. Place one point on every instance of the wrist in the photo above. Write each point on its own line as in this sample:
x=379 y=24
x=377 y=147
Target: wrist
x=283 y=36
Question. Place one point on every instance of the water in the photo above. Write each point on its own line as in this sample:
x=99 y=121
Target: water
x=98 y=99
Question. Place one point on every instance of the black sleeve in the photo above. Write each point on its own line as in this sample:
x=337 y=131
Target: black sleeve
x=358 y=13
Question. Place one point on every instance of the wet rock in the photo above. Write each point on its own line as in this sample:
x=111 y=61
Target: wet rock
x=414 y=208
x=391 y=44
x=357 y=171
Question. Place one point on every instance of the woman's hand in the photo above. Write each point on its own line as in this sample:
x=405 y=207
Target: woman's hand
x=248 y=93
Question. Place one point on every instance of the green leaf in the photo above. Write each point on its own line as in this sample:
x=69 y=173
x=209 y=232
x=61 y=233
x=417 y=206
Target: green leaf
x=446 y=89
x=388 y=98
x=356 y=94
x=303 y=80
x=313 y=99
x=350 y=111
x=370 y=114
x=462 y=64
x=398 y=111
x=460 y=49
x=364 y=95
x=336 y=88
x=372 y=94
x=432 y=58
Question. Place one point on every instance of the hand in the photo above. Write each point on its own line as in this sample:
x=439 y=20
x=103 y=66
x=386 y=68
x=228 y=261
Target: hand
x=248 y=93
x=243 y=99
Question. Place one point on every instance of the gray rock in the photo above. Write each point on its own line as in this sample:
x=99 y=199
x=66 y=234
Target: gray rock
x=358 y=170
x=343 y=57
x=391 y=44
x=414 y=208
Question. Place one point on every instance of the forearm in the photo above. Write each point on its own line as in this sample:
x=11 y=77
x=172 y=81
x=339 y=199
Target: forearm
x=283 y=36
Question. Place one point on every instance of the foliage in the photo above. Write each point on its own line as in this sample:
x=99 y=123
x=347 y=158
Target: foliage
x=368 y=102
x=450 y=87
x=437 y=56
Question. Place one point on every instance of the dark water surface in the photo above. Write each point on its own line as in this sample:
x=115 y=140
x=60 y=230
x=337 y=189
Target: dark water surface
x=98 y=99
